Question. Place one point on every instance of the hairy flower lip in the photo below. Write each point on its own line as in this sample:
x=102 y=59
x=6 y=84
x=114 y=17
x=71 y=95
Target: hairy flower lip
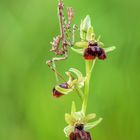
x=102 y=54
x=94 y=51
x=89 y=54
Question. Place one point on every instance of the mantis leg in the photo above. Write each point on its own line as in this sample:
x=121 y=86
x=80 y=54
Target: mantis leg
x=51 y=64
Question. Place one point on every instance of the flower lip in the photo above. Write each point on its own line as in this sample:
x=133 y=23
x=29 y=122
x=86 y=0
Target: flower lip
x=58 y=94
x=79 y=133
x=94 y=51
x=101 y=54
x=89 y=54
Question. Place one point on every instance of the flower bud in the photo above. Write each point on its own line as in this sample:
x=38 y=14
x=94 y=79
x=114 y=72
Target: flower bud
x=79 y=133
x=58 y=94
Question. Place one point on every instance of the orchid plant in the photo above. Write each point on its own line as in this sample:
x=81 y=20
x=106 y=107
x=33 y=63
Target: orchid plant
x=91 y=49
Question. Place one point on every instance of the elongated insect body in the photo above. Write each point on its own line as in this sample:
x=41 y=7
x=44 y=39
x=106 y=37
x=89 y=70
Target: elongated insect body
x=61 y=42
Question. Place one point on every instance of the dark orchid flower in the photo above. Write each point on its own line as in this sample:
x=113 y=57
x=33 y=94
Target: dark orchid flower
x=94 y=51
x=70 y=85
x=57 y=93
x=79 y=124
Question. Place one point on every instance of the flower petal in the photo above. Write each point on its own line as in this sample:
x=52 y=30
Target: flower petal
x=69 y=119
x=92 y=124
x=109 y=49
x=79 y=51
x=63 y=90
x=90 y=34
x=68 y=129
x=81 y=44
x=79 y=116
x=89 y=117
x=85 y=24
x=77 y=73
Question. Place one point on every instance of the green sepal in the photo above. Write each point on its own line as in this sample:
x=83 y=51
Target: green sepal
x=109 y=49
x=85 y=24
x=81 y=44
x=92 y=124
x=101 y=44
x=79 y=51
x=89 y=117
x=69 y=119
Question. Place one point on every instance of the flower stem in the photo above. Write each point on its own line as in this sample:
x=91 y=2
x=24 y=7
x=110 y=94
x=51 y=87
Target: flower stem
x=80 y=93
x=89 y=67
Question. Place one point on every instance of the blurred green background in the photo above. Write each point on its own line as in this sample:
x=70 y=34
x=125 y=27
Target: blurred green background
x=27 y=109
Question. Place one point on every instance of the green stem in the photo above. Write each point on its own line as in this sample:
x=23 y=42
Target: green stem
x=89 y=68
x=80 y=93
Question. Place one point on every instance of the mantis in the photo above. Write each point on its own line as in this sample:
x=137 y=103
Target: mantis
x=65 y=39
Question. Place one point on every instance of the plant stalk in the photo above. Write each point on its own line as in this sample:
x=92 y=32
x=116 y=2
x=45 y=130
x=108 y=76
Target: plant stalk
x=89 y=68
